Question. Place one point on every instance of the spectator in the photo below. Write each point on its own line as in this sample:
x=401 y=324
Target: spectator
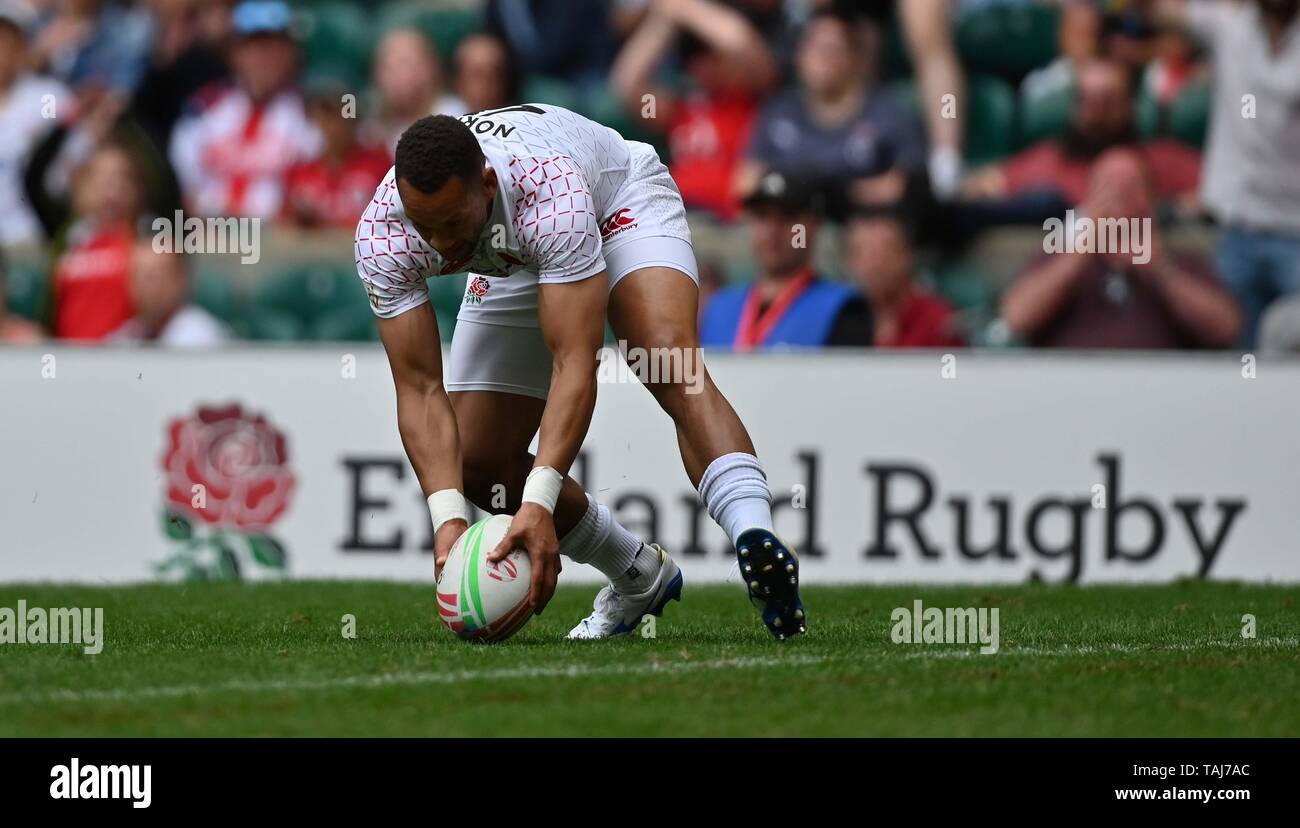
x=163 y=313
x=187 y=55
x=26 y=103
x=907 y=315
x=14 y=329
x=333 y=189
x=408 y=78
x=835 y=128
x=568 y=40
x=1078 y=41
x=234 y=147
x=729 y=66
x=788 y=305
x=91 y=261
x=1108 y=299
x=93 y=43
x=1103 y=119
x=1252 y=167
x=486 y=76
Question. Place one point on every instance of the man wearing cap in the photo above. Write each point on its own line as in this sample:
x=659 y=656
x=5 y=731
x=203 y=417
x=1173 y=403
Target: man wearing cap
x=788 y=304
x=232 y=149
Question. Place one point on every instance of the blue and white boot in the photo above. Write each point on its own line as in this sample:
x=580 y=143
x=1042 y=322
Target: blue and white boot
x=614 y=614
x=771 y=573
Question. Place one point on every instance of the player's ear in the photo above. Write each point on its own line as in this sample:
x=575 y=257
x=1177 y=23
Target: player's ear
x=489 y=181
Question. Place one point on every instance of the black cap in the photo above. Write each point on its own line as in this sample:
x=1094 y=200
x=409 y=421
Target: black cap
x=785 y=190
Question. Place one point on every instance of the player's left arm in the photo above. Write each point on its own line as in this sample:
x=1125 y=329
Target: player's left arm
x=572 y=316
x=559 y=232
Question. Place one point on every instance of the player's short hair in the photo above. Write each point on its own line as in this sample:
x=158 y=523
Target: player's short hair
x=435 y=148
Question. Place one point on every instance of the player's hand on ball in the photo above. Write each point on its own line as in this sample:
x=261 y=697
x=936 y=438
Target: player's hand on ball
x=533 y=529
x=443 y=541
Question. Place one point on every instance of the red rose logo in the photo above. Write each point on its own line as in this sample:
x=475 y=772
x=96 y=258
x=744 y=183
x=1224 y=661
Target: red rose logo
x=479 y=286
x=239 y=460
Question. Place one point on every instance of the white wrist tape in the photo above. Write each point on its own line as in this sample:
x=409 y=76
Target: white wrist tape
x=543 y=487
x=445 y=505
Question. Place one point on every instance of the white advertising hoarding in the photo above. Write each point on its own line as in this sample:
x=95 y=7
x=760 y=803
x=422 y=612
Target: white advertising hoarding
x=886 y=468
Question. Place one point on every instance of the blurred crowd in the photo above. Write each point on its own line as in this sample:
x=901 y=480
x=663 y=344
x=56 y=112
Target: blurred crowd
x=905 y=132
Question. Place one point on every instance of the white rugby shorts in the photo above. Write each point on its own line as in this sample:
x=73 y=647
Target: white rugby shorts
x=498 y=345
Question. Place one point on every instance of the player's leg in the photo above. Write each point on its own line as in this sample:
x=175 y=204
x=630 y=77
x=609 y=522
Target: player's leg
x=498 y=377
x=656 y=307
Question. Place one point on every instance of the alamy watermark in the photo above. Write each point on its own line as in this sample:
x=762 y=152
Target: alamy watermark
x=77 y=781
x=1084 y=234
x=214 y=234
x=945 y=625
x=622 y=364
x=56 y=625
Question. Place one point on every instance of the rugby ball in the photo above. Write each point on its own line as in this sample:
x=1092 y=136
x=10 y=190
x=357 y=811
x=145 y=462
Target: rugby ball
x=479 y=600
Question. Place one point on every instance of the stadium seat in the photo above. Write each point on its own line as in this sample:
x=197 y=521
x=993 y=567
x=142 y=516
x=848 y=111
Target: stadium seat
x=964 y=286
x=1043 y=116
x=1149 y=116
x=269 y=325
x=546 y=90
x=1007 y=41
x=352 y=323
x=1189 y=115
x=445 y=292
x=338 y=41
x=445 y=26
x=213 y=289
x=990 y=119
x=309 y=291
x=446 y=323
x=27 y=288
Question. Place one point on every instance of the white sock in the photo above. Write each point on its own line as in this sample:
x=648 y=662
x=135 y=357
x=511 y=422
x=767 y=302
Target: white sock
x=601 y=541
x=734 y=489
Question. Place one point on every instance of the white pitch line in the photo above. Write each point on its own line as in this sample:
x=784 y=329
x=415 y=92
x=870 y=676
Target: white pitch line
x=933 y=651
x=1108 y=649
x=399 y=679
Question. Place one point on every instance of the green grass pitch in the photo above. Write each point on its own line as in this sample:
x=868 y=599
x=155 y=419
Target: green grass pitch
x=270 y=659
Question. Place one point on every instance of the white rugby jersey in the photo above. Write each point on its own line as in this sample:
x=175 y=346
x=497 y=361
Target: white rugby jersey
x=558 y=174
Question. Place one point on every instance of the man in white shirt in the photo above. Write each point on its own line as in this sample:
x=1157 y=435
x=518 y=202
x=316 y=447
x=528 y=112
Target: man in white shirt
x=558 y=220
x=1252 y=165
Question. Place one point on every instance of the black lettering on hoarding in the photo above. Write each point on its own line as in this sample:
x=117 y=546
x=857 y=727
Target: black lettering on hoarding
x=1073 y=545
x=1115 y=508
x=1000 y=546
x=360 y=504
x=909 y=517
x=1209 y=553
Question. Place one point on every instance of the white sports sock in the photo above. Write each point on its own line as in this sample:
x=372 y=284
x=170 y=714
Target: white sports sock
x=601 y=541
x=734 y=489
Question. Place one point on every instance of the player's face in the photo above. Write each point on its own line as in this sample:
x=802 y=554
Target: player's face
x=451 y=219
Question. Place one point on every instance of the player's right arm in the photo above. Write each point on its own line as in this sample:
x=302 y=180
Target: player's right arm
x=393 y=263
x=425 y=417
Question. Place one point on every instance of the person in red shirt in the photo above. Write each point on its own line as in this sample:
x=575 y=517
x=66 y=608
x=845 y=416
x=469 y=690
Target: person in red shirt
x=1103 y=120
x=708 y=127
x=92 y=295
x=334 y=188
x=881 y=260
